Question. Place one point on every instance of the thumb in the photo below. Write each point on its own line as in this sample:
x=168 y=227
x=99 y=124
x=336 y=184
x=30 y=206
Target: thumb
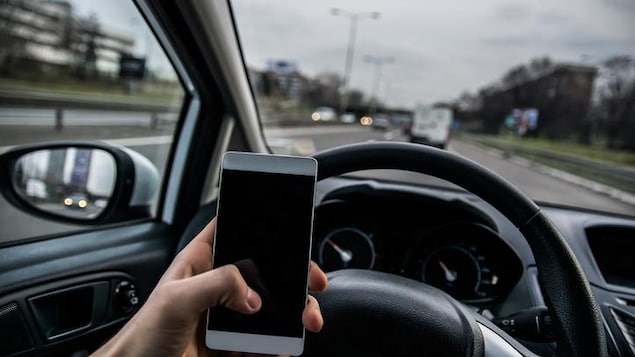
x=222 y=286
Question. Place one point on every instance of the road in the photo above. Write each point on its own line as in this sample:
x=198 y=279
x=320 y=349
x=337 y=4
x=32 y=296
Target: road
x=155 y=145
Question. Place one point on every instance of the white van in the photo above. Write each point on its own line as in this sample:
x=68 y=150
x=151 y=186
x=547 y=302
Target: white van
x=431 y=126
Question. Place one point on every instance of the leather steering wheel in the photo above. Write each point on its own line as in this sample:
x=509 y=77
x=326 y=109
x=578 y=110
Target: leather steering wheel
x=376 y=314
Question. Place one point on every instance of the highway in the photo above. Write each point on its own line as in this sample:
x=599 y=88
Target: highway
x=155 y=145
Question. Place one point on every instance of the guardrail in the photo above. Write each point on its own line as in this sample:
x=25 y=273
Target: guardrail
x=616 y=175
x=60 y=101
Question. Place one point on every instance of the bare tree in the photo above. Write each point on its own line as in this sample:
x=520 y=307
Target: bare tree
x=355 y=98
x=539 y=67
x=617 y=101
x=517 y=75
x=324 y=89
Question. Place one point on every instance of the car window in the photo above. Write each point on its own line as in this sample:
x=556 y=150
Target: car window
x=543 y=95
x=82 y=70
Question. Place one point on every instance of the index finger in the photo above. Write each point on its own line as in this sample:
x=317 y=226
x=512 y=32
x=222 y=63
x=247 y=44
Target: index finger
x=196 y=257
x=317 y=279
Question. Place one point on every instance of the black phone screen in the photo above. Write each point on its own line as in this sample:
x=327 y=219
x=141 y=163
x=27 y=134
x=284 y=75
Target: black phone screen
x=264 y=228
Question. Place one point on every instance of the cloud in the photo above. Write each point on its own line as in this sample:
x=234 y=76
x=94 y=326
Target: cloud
x=622 y=5
x=514 y=12
x=511 y=40
x=440 y=48
x=554 y=19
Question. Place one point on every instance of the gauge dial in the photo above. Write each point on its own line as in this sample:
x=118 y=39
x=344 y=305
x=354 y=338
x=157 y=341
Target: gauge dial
x=346 y=248
x=453 y=270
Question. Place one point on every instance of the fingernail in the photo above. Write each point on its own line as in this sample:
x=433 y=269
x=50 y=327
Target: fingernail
x=253 y=300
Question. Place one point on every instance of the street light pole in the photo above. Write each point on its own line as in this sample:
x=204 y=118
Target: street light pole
x=350 y=50
x=378 y=62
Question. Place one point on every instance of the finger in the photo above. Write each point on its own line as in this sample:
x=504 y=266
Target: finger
x=206 y=235
x=223 y=286
x=312 y=316
x=317 y=279
x=196 y=257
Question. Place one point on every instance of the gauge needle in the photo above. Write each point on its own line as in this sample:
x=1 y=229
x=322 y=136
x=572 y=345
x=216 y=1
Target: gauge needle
x=345 y=255
x=450 y=275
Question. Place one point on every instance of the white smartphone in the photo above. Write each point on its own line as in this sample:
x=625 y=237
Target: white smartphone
x=264 y=227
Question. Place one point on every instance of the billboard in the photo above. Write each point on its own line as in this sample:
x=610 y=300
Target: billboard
x=281 y=66
x=131 y=67
x=524 y=121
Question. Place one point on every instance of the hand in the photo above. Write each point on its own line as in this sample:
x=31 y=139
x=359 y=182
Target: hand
x=172 y=321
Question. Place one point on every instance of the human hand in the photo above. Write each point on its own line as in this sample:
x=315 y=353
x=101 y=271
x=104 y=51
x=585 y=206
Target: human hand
x=172 y=321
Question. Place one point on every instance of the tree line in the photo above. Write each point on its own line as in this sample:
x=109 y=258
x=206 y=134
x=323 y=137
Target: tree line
x=590 y=104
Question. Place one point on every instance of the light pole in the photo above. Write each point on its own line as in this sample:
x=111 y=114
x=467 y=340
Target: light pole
x=378 y=62
x=354 y=17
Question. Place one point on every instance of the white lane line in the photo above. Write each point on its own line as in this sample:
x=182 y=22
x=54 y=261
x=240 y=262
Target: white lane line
x=167 y=139
x=591 y=185
x=130 y=142
x=141 y=141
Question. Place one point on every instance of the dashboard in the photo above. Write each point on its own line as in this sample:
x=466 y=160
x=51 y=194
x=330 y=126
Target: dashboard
x=454 y=241
x=446 y=244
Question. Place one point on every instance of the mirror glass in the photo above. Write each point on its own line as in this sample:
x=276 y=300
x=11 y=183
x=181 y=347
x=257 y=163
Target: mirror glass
x=70 y=182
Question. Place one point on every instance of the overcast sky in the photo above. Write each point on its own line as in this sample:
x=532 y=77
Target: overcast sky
x=440 y=48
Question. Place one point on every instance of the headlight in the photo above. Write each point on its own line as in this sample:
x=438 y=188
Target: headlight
x=366 y=120
x=315 y=116
x=82 y=203
x=68 y=201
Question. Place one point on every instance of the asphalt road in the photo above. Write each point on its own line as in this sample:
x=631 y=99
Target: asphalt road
x=155 y=145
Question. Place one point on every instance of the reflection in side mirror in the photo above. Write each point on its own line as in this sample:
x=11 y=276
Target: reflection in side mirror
x=72 y=182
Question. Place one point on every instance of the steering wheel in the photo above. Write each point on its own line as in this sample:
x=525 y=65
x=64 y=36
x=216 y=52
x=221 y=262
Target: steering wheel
x=376 y=314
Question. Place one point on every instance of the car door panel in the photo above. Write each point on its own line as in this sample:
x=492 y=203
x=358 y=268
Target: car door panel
x=62 y=294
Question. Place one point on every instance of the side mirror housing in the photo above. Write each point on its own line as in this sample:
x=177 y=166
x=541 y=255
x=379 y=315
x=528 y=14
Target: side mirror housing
x=79 y=182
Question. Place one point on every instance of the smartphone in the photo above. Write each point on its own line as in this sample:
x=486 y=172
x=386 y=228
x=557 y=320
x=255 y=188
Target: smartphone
x=264 y=227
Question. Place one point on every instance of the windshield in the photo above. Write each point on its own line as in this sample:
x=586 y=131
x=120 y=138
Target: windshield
x=543 y=94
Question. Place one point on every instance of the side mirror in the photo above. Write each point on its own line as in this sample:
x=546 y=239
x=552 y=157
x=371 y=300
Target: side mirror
x=79 y=182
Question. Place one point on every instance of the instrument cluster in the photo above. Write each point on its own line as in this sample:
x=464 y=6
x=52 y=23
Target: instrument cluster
x=464 y=257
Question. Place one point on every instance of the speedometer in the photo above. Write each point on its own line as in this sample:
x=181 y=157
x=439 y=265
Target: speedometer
x=346 y=248
x=468 y=261
x=453 y=270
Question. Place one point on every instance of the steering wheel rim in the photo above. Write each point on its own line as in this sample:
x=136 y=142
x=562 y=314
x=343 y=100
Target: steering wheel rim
x=575 y=313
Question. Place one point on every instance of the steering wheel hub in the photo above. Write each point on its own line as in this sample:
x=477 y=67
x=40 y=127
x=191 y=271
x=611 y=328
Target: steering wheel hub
x=370 y=313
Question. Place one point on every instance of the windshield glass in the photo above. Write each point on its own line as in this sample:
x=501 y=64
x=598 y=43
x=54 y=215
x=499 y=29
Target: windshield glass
x=543 y=94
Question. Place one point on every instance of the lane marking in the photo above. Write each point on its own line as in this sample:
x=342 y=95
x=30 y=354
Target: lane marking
x=141 y=141
x=130 y=142
x=591 y=185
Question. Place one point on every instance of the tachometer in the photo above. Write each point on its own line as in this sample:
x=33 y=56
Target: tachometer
x=346 y=248
x=453 y=270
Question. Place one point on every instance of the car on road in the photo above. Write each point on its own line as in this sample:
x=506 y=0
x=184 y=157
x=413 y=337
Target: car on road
x=323 y=114
x=381 y=121
x=431 y=126
x=348 y=118
x=403 y=122
x=461 y=252
x=75 y=200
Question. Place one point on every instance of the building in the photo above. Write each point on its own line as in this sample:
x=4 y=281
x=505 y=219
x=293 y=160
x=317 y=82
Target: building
x=48 y=35
x=562 y=97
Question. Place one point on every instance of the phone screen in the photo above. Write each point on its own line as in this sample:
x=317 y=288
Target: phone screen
x=264 y=228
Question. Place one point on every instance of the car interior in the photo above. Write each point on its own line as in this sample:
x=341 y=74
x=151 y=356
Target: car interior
x=473 y=268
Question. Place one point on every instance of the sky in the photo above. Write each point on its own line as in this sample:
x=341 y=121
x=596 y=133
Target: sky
x=440 y=48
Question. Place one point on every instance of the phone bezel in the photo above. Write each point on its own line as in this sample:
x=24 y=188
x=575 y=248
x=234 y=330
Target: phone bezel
x=256 y=343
